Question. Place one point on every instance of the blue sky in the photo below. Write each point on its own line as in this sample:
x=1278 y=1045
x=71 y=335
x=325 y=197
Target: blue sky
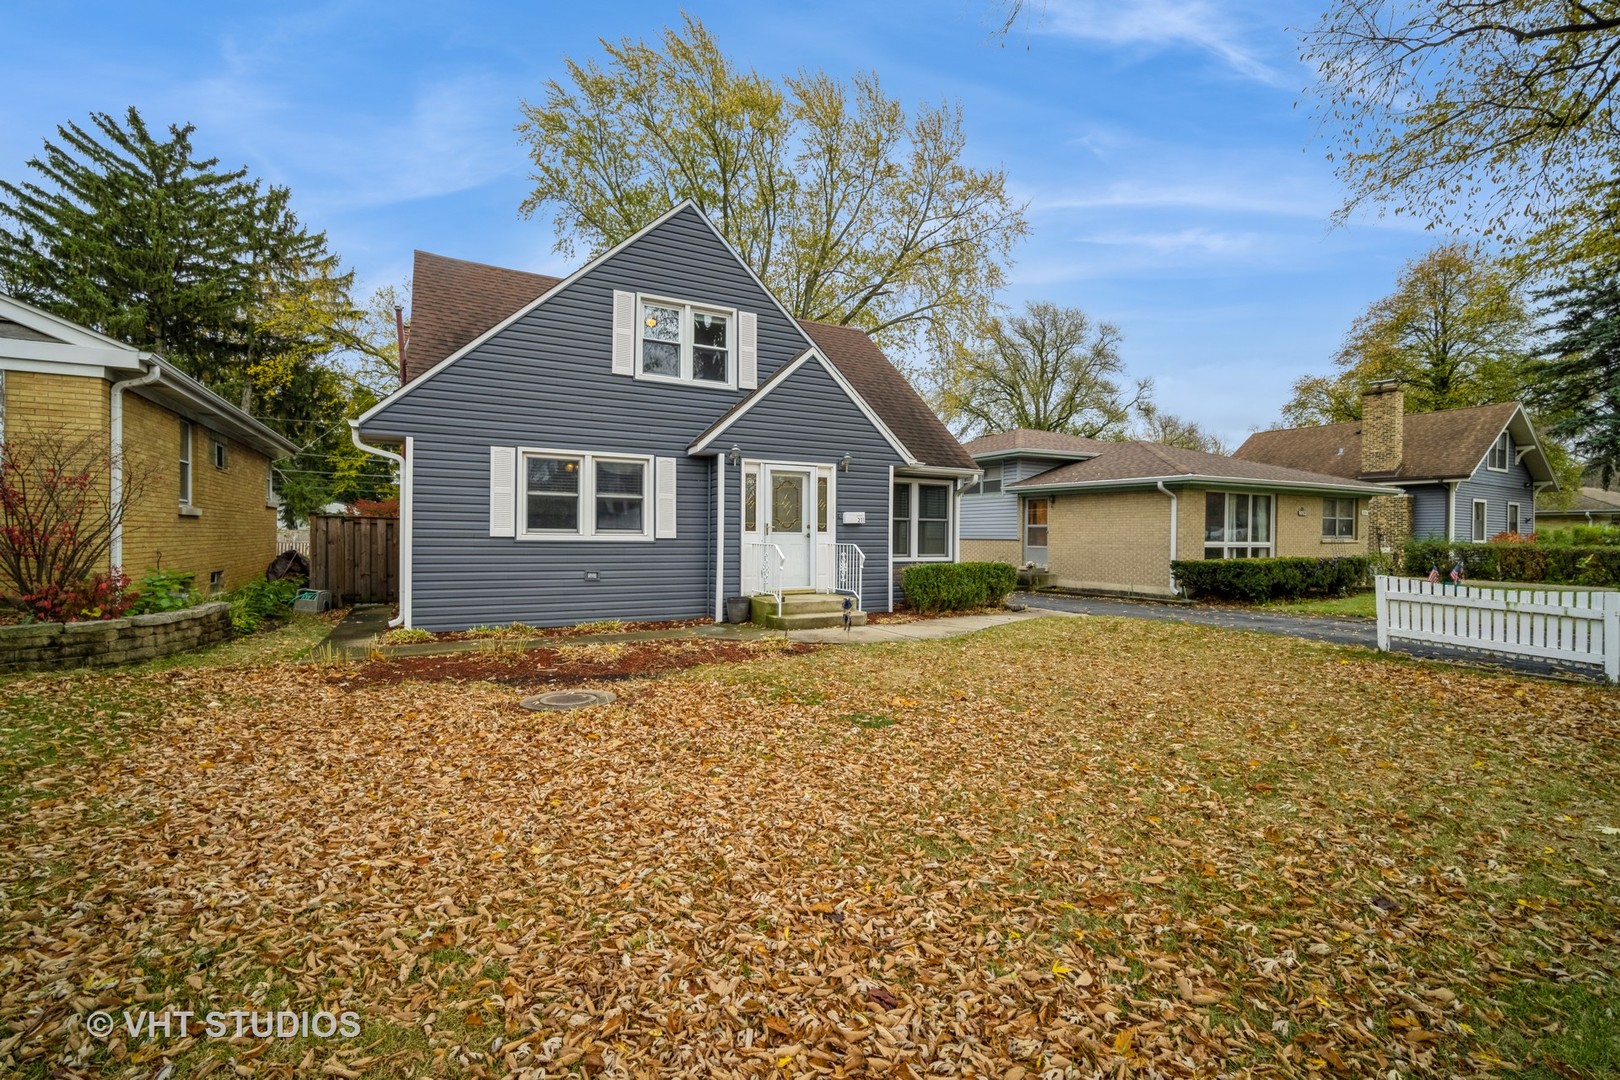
x=1175 y=184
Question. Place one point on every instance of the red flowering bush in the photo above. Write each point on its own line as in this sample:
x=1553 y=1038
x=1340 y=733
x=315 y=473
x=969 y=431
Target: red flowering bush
x=103 y=596
x=1513 y=538
x=375 y=508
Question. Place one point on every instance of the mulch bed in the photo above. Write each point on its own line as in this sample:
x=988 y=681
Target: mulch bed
x=567 y=665
x=528 y=632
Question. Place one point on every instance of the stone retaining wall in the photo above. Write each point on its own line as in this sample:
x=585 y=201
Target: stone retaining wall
x=104 y=643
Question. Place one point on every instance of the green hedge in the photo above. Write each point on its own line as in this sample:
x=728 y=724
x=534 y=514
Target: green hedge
x=1546 y=563
x=957 y=586
x=261 y=601
x=1270 y=579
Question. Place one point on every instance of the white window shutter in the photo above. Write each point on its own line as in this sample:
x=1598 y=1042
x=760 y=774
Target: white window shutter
x=503 y=491
x=624 y=333
x=665 y=528
x=747 y=350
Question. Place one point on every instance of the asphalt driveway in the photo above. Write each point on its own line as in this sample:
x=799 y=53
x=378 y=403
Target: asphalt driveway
x=1334 y=631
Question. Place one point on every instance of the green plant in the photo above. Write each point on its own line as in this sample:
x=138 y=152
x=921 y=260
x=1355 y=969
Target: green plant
x=1555 y=559
x=165 y=590
x=957 y=586
x=600 y=626
x=402 y=636
x=510 y=630
x=260 y=601
x=1270 y=579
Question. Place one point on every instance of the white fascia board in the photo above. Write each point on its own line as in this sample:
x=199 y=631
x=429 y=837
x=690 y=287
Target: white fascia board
x=66 y=331
x=55 y=367
x=1041 y=455
x=780 y=376
x=221 y=413
x=566 y=283
x=1223 y=482
x=68 y=354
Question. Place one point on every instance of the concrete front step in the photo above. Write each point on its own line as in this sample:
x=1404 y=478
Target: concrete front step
x=803 y=611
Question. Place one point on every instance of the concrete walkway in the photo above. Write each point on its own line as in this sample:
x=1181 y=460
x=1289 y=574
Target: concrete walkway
x=352 y=638
x=1333 y=630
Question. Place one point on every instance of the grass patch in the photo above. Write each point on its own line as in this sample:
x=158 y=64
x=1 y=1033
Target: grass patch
x=1356 y=605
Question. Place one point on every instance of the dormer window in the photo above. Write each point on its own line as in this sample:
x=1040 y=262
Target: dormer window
x=685 y=343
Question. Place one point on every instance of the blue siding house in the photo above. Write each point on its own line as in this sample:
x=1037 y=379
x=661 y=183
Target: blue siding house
x=1467 y=474
x=646 y=437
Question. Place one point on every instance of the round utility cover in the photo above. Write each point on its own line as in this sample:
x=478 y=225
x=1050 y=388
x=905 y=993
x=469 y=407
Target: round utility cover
x=566 y=699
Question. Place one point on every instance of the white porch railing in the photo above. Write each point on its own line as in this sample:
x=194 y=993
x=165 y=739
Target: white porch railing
x=772 y=567
x=849 y=561
x=1578 y=625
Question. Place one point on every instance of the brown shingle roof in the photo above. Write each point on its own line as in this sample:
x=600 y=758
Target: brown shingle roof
x=889 y=394
x=1125 y=462
x=453 y=301
x=1593 y=500
x=1003 y=442
x=1435 y=445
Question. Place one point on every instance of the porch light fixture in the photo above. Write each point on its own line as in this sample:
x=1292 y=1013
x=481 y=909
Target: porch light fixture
x=735 y=456
x=845 y=462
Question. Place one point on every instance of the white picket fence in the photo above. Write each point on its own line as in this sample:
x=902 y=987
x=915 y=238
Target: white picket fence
x=1574 y=625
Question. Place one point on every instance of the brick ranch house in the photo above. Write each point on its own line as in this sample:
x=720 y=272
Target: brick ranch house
x=209 y=508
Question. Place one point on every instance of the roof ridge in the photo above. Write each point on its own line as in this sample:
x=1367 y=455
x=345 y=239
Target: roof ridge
x=485 y=265
x=1156 y=449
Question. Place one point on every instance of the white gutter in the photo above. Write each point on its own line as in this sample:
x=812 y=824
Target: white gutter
x=115 y=409
x=405 y=520
x=1174 y=530
x=1227 y=483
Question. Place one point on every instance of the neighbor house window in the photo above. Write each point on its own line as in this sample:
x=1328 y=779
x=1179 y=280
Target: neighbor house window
x=1035 y=523
x=685 y=343
x=922 y=520
x=1479 y=519
x=1338 y=519
x=185 y=462
x=989 y=484
x=216 y=582
x=1236 y=525
x=1513 y=518
x=1501 y=453
x=219 y=454
x=585 y=495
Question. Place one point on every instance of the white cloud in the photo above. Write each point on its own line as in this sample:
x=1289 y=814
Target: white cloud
x=1161 y=24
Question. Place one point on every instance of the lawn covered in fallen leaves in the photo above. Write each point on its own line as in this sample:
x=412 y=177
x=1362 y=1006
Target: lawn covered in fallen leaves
x=1065 y=847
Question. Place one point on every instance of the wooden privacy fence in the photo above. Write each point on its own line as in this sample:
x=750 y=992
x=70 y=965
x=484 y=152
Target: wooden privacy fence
x=1576 y=625
x=357 y=558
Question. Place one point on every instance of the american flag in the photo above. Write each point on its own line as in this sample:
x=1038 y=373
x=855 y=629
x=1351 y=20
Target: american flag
x=1456 y=573
x=1434 y=575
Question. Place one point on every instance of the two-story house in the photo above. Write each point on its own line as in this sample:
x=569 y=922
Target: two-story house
x=1467 y=474
x=646 y=437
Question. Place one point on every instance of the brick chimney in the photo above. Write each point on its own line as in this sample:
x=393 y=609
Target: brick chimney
x=1383 y=422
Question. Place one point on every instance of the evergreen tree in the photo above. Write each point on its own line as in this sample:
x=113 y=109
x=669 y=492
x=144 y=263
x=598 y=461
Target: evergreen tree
x=1578 y=383
x=143 y=241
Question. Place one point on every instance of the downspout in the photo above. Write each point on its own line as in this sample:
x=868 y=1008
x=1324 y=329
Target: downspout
x=1174 y=530
x=115 y=471
x=1451 y=510
x=404 y=523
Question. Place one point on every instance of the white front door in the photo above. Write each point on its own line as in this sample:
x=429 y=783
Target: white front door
x=790 y=522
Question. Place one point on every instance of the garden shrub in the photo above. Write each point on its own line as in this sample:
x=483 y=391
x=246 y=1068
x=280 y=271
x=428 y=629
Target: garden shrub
x=957 y=586
x=1580 y=536
x=165 y=590
x=1547 y=561
x=262 y=600
x=1270 y=579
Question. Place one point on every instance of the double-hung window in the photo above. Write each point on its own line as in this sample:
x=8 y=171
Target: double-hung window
x=988 y=484
x=1237 y=525
x=922 y=521
x=1338 y=519
x=585 y=495
x=686 y=343
x=1501 y=453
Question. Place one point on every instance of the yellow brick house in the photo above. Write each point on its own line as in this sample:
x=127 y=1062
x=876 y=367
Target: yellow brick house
x=1110 y=516
x=207 y=504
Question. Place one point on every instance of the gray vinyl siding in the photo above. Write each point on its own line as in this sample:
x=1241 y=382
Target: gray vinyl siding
x=995 y=517
x=808 y=418
x=1429 y=510
x=546 y=382
x=1497 y=489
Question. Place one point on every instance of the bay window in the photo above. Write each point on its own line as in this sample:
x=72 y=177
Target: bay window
x=1237 y=525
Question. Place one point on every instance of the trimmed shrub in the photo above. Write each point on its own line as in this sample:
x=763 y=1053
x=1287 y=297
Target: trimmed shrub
x=262 y=600
x=1550 y=563
x=1270 y=579
x=957 y=586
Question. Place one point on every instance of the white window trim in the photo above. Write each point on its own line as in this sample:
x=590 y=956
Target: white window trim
x=188 y=476
x=1226 y=545
x=1515 y=518
x=1024 y=525
x=587 y=497
x=978 y=487
x=218 y=453
x=733 y=347
x=1503 y=443
x=1481 y=516
x=912 y=519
